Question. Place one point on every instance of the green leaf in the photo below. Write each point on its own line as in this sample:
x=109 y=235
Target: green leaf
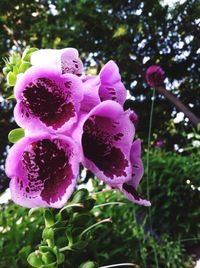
x=34 y=259
x=81 y=219
x=89 y=204
x=80 y=195
x=11 y=79
x=16 y=134
x=79 y=245
x=11 y=97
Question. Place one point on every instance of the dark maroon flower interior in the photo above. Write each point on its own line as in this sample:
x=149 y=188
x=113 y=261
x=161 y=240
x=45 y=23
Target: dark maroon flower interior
x=131 y=190
x=47 y=169
x=45 y=100
x=98 y=146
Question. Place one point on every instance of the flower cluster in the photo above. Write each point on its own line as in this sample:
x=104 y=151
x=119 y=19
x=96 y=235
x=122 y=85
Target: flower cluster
x=70 y=119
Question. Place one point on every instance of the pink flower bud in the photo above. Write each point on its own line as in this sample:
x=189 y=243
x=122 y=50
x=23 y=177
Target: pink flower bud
x=154 y=76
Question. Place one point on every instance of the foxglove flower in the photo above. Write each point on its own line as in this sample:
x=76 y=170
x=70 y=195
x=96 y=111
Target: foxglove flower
x=47 y=100
x=155 y=76
x=134 y=118
x=106 y=86
x=105 y=135
x=65 y=60
x=43 y=170
x=129 y=188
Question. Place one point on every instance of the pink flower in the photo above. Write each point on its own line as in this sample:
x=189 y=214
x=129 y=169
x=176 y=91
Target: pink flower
x=155 y=76
x=105 y=137
x=43 y=170
x=106 y=86
x=65 y=60
x=47 y=100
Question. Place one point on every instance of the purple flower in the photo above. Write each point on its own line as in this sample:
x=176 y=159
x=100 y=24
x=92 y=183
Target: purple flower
x=105 y=135
x=129 y=188
x=106 y=86
x=159 y=143
x=47 y=100
x=155 y=76
x=65 y=60
x=43 y=170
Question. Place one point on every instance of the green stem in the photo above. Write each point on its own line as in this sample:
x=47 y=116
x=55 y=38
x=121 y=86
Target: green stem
x=80 y=205
x=65 y=249
x=147 y=168
x=109 y=203
x=189 y=239
x=149 y=141
x=94 y=225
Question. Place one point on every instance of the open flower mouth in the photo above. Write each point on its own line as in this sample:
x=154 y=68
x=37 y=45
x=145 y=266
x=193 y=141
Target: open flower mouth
x=99 y=146
x=47 y=170
x=45 y=100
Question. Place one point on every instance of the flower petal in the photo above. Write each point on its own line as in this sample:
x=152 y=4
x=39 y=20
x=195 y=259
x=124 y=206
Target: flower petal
x=136 y=162
x=106 y=135
x=90 y=93
x=111 y=86
x=47 y=100
x=65 y=60
x=132 y=195
x=43 y=170
x=105 y=86
x=130 y=188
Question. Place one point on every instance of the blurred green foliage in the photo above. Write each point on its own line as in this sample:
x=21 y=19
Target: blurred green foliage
x=72 y=232
x=174 y=193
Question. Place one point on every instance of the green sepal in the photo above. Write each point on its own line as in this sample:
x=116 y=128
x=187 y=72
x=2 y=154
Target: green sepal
x=48 y=236
x=51 y=265
x=15 y=70
x=16 y=134
x=25 y=65
x=48 y=257
x=35 y=259
x=81 y=219
x=11 y=79
x=27 y=53
x=33 y=211
x=11 y=97
x=48 y=217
